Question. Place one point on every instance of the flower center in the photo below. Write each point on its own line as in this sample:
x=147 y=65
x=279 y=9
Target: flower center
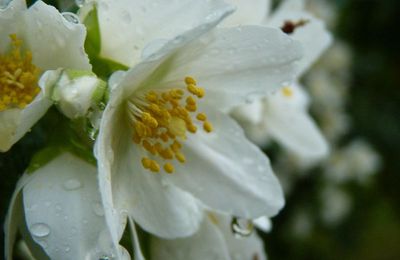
x=18 y=77
x=160 y=120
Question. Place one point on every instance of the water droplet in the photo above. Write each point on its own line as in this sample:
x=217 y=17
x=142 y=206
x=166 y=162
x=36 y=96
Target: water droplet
x=79 y=3
x=241 y=227
x=71 y=17
x=104 y=257
x=72 y=184
x=250 y=98
x=152 y=48
x=67 y=249
x=98 y=209
x=40 y=230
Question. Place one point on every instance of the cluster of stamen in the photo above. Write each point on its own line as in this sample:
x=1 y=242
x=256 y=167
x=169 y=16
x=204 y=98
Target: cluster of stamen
x=18 y=77
x=160 y=120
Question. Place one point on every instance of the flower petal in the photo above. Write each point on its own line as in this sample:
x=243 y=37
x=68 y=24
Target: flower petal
x=9 y=21
x=14 y=123
x=53 y=41
x=63 y=210
x=287 y=120
x=313 y=35
x=225 y=162
x=235 y=64
x=156 y=206
x=13 y=218
x=247 y=12
x=128 y=26
x=207 y=243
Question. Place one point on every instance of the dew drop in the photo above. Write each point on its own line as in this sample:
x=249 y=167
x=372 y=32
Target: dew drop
x=104 y=257
x=126 y=17
x=72 y=184
x=71 y=17
x=67 y=249
x=40 y=230
x=241 y=227
x=98 y=209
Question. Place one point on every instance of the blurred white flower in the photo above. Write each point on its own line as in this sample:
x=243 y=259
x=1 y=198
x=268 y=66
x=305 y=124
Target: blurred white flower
x=215 y=239
x=57 y=208
x=150 y=128
x=356 y=161
x=32 y=41
x=336 y=205
x=283 y=116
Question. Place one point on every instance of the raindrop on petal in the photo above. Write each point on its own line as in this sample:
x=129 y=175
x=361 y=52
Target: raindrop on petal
x=71 y=17
x=72 y=184
x=241 y=227
x=40 y=230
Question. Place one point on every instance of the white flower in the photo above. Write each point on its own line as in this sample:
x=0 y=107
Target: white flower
x=159 y=121
x=214 y=240
x=283 y=116
x=58 y=208
x=32 y=41
x=133 y=29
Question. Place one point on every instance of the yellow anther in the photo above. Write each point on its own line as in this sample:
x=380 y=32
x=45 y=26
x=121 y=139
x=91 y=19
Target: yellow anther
x=146 y=162
x=180 y=157
x=200 y=92
x=164 y=137
x=150 y=148
x=175 y=146
x=207 y=127
x=152 y=96
x=192 y=89
x=201 y=117
x=192 y=128
x=167 y=153
x=18 y=77
x=287 y=91
x=190 y=80
x=154 y=166
x=191 y=108
x=177 y=126
x=149 y=120
x=169 y=168
x=190 y=101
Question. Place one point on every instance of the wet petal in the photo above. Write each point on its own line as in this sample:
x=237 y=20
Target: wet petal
x=63 y=210
x=247 y=12
x=225 y=162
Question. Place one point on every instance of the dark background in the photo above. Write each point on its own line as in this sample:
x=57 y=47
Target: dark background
x=372 y=230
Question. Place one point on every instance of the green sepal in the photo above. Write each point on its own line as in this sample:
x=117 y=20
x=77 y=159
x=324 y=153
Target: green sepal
x=103 y=67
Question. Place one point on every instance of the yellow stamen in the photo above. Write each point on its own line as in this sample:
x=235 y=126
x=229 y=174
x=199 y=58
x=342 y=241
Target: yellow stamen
x=161 y=119
x=169 y=168
x=207 y=127
x=201 y=117
x=18 y=77
x=287 y=91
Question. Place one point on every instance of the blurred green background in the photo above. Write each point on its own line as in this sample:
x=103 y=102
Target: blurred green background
x=372 y=229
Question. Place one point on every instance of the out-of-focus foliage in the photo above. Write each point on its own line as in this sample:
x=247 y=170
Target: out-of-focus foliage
x=372 y=228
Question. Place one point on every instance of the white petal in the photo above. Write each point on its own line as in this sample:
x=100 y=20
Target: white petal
x=63 y=210
x=128 y=26
x=15 y=123
x=313 y=35
x=207 y=243
x=9 y=18
x=227 y=172
x=291 y=125
x=247 y=12
x=156 y=206
x=263 y=223
x=236 y=64
x=53 y=41
x=14 y=215
x=249 y=113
